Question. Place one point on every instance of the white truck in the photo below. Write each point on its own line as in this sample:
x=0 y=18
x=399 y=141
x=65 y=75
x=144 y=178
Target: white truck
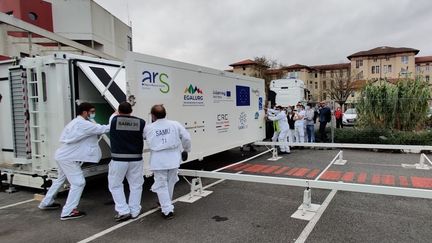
x=288 y=91
x=221 y=110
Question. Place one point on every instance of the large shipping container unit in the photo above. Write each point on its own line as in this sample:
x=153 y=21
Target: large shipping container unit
x=221 y=110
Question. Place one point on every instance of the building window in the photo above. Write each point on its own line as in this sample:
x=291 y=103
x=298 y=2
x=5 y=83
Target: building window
x=244 y=68
x=324 y=96
x=324 y=85
x=331 y=74
x=324 y=74
x=427 y=78
x=427 y=67
x=32 y=16
x=359 y=63
x=389 y=68
x=417 y=68
x=360 y=75
x=316 y=85
x=375 y=59
x=373 y=70
x=404 y=59
x=385 y=69
x=377 y=69
x=387 y=58
x=129 y=43
x=316 y=75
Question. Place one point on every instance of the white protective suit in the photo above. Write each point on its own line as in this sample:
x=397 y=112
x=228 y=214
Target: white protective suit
x=281 y=118
x=299 y=127
x=166 y=140
x=79 y=143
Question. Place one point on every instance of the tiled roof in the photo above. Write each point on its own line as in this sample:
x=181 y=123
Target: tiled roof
x=423 y=59
x=332 y=66
x=246 y=62
x=296 y=66
x=383 y=50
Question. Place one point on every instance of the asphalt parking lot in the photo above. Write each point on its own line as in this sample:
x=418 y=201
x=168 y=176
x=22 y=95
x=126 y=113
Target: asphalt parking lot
x=243 y=211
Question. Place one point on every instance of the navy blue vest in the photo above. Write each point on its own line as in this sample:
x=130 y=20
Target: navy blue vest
x=126 y=137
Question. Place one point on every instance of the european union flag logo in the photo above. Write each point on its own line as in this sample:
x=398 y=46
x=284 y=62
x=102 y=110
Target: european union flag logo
x=228 y=93
x=242 y=95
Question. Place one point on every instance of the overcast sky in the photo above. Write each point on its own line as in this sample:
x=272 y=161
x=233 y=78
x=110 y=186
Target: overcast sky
x=218 y=33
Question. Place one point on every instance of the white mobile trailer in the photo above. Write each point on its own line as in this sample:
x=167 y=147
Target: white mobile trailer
x=288 y=91
x=221 y=110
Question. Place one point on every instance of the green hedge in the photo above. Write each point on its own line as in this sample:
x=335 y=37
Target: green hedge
x=381 y=136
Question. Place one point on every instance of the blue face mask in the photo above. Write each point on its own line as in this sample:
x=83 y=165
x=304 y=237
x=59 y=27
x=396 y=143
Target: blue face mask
x=92 y=116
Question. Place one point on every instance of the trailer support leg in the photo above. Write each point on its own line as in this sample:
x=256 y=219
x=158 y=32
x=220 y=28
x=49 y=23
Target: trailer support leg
x=307 y=209
x=421 y=165
x=275 y=155
x=11 y=188
x=340 y=160
x=3 y=177
x=197 y=192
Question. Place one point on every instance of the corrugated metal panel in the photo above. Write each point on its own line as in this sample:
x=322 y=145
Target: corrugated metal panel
x=18 y=92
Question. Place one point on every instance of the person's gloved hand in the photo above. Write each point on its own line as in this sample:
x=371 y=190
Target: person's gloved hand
x=184 y=155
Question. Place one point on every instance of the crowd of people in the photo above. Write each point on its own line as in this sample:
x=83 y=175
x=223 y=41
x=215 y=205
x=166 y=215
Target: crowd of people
x=168 y=141
x=296 y=124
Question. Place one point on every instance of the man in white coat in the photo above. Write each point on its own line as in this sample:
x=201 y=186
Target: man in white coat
x=79 y=143
x=279 y=116
x=127 y=142
x=166 y=140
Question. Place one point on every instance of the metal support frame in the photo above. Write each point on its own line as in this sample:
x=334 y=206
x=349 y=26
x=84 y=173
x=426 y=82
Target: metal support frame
x=413 y=148
x=307 y=209
x=421 y=165
x=275 y=155
x=11 y=188
x=340 y=160
x=196 y=192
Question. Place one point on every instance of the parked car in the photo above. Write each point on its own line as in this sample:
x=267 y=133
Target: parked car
x=349 y=117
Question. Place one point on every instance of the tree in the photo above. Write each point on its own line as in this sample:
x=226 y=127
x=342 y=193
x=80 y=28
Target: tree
x=342 y=86
x=400 y=106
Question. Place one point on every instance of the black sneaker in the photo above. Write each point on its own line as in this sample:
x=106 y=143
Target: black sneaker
x=121 y=218
x=74 y=215
x=168 y=216
x=51 y=206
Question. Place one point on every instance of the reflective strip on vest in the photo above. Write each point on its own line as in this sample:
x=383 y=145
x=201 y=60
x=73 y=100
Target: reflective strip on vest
x=276 y=126
x=126 y=156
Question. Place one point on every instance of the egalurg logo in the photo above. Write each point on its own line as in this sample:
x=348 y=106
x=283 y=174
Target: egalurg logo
x=193 y=96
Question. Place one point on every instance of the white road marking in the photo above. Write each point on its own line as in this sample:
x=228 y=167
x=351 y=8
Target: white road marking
x=311 y=225
x=18 y=203
x=117 y=226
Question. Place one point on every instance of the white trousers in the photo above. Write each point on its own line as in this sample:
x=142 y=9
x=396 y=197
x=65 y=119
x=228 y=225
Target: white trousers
x=164 y=182
x=281 y=136
x=134 y=173
x=73 y=173
x=291 y=135
x=299 y=133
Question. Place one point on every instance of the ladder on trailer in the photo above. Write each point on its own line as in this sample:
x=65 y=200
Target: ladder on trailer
x=36 y=87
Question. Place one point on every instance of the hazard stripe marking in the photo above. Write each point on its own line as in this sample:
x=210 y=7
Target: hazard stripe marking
x=348 y=176
x=270 y=169
x=421 y=182
x=301 y=172
x=313 y=173
x=292 y=171
x=331 y=175
x=403 y=181
x=388 y=180
x=376 y=179
x=281 y=170
x=256 y=168
x=242 y=167
x=361 y=178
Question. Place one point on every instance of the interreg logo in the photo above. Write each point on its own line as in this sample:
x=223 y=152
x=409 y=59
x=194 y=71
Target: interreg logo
x=221 y=96
x=193 y=96
x=152 y=80
x=242 y=121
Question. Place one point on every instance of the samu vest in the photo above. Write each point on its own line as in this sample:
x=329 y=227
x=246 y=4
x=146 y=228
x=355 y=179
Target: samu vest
x=126 y=137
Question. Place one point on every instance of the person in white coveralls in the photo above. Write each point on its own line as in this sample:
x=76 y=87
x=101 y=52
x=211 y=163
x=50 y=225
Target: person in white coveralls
x=169 y=143
x=79 y=143
x=279 y=117
x=127 y=143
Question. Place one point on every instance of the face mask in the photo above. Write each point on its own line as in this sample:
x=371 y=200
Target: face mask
x=92 y=116
x=289 y=110
x=307 y=107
